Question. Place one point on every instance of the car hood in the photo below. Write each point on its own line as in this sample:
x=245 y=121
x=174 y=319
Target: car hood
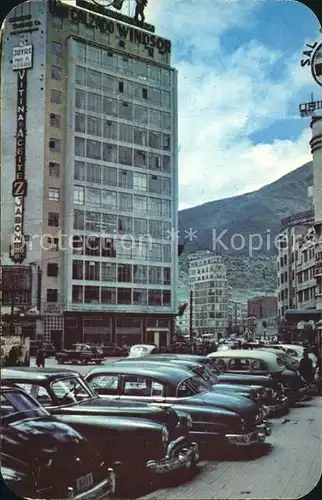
x=104 y=406
x=234 y=388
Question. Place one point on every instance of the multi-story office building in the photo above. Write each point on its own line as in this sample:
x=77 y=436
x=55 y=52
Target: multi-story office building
x=89 y=122
x=305 y=283
x=294 y=229
x=210 y=293
x=239 y=315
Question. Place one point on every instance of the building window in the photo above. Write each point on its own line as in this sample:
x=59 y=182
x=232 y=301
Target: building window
x=155 y=274
x=109 y=199
x=53 y=219
x=140 y=204
x=124 y=296
x=140 y=114
x=154 y=161
x=79 y=171
x=166 y=164
x=125 y=224
x=125 y=155
x=167 y=276
x=80 y=123
x=93 y=221
x=77 y=294
x=54 y=169
x=78 y=219
x=52 y=269
x=94 y=149
x=108 y=295
x=94 y=126
x=55 y=145
x=124 y=273
x=109 y=176
x=109 y=222
x=94 y=102
x=155 y=297
x=109 y=106
x=79 y=195
x=140 y=227
x=93 y=196
x=56 y=49
x=53 y=194
x=140 y=274
x=140 y=297
x=166 y=295
x=155 y=229
x=80 y=149
x=155 y=140
x=91 y=294
x=139 y=181
x=155 y=118
x=166 y=121
x=125 y=202
x=109 y=129
x=56 y=72
x=140 y=136
x=155 y=184
x=140 y=158
x=126 y=110
x=109 y=152
x=55 y=120
x=80 y=99
x=155 y=207
x=53 y=244
x=108 y=272
x=126 y=179
x=52 y=295
x=94 y=79
x=92 y=271
x=125 y=133
x=166 y=142
x=93 y=173
x=55 y=96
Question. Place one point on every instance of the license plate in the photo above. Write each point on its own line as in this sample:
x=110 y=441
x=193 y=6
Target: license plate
x=84 y=482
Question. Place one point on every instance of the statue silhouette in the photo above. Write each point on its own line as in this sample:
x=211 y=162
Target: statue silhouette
x=139 y=10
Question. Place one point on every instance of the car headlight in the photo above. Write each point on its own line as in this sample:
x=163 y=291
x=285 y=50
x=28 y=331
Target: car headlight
x=165 y=435
x=189 y=422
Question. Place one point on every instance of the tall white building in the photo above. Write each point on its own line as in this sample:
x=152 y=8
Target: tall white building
x=89 y=125
x=211 y=293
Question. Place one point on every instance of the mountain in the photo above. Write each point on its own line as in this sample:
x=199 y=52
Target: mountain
x=243 y=228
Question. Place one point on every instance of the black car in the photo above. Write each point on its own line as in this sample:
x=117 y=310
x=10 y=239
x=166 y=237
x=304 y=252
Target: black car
x=44 y=458
x=271 y=392
x=114 y=351
x=215 y=417
x=141 y=440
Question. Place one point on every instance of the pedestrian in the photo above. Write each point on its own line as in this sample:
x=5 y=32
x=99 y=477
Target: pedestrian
x=306 y=367
x=318 y=375
x=40 y=358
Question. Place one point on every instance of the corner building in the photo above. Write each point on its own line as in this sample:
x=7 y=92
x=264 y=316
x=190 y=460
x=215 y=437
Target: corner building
x=101 y=168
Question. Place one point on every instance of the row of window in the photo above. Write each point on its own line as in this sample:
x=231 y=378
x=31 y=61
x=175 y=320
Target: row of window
x=110 y=129
x=105 y=83
x=122 y=108
x=122 y=273
x=127 y=179
x=121 y=296
x=112 y=153
x=111 y=223
x=125 y=248
x=108 y=199
x=106 y=59
x=305 y=295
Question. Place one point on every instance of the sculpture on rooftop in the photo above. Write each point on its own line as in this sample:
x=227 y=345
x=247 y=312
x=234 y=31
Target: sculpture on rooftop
x=139 y=10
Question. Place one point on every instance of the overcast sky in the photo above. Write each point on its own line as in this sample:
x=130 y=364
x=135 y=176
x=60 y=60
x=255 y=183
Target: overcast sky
x=240 y=83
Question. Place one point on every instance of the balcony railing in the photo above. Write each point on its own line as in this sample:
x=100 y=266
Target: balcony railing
x=318 y=269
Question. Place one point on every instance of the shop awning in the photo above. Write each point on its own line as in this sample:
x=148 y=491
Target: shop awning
x=296 y=315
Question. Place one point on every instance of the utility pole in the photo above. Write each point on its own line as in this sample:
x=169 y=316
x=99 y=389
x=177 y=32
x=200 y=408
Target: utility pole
x=191 y=317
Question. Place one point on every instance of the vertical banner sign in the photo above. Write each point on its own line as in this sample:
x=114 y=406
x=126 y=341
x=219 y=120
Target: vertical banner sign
x=22 y=60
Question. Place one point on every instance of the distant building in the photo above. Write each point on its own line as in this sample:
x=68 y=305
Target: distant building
x=294 y=229
x=305 y=283
x=239 y=315
x=211 y=293
x=264 y=309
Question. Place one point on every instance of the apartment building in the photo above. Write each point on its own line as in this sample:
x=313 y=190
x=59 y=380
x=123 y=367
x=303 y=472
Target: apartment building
x=211 y=293
x=89 y=124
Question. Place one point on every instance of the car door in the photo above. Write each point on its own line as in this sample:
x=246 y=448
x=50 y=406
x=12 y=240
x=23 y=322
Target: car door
x=143 y=389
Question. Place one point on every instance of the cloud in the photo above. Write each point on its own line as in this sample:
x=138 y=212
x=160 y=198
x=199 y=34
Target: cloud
x=224 y=98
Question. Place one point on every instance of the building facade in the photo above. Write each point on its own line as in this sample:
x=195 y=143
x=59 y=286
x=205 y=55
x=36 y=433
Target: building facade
x=211 y=293
x=293 y=230
x=305 y=283
x=100 y=160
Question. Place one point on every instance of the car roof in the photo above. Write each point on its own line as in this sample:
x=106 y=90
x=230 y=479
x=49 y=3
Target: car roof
x=169 y=374
x=265 y=354
x=29 y=374
x=155 y=359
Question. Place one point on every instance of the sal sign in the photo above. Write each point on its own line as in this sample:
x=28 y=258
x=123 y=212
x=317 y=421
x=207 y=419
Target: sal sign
x=313 y=58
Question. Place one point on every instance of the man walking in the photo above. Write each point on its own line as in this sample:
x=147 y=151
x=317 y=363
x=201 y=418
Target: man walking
x=40 y=358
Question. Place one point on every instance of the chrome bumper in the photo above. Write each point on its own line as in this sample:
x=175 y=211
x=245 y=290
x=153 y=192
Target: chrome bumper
x=248 y=439
x=181 y=459
x=102 y=491
x=282 y=405
x=264 y=429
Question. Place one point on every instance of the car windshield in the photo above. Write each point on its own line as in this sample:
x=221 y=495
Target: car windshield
x=206 y=374
x=71 y=390
x=192 y=386
x=14 y=402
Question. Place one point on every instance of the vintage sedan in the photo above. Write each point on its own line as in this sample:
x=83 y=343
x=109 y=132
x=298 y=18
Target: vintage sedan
x=44 y=458
x=262 y=362
x=217 y=418
x=200 y=370
x=142 y=441
x=138 y=350
x=270 y=391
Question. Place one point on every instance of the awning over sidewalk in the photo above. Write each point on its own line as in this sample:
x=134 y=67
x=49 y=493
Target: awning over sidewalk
x=296 y=315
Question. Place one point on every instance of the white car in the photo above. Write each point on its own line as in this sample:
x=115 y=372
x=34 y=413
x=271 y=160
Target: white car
x=296 y=351
x=140 y=350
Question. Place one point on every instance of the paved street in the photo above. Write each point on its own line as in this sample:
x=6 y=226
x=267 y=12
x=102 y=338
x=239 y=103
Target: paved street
x=289 y=467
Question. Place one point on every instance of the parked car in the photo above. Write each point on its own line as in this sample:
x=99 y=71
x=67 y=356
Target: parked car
x=141 y=440
x=262 y=362
x=217 y=418
x=81 y=353
x=139 y=350
x=253 y=393
x=44 y=458
x=296 y=351
x=272 y=393
x=114 y=350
